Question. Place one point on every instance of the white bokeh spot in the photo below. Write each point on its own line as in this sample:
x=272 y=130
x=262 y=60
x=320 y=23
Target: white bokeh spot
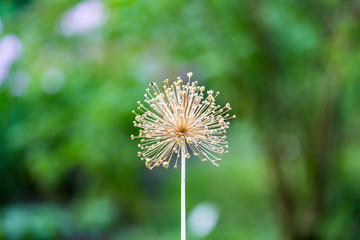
x=19 y=82
x=52 y=80
x=203 y=219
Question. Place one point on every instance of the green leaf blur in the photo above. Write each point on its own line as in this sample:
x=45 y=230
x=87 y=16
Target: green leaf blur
x=290 y=70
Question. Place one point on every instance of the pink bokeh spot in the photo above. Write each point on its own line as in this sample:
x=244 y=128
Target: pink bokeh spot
x=82 y=18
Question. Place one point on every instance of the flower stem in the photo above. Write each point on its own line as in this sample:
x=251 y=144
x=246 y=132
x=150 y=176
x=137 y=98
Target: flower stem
x=183 y=208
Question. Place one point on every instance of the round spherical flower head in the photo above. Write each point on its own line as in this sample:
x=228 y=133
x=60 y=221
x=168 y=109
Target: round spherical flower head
x=181 y=120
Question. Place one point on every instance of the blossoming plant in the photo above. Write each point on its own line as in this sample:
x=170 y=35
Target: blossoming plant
x=177 y=121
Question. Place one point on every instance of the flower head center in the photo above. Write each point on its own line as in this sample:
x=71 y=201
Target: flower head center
x=182 y=130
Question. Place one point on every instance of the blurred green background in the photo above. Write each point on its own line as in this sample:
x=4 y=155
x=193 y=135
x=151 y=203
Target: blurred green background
x=71 y=73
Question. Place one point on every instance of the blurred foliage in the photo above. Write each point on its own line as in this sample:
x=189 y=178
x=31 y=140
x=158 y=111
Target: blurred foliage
x=290 y=69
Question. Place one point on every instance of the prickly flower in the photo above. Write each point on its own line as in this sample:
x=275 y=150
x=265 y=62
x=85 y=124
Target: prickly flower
x=182 y=118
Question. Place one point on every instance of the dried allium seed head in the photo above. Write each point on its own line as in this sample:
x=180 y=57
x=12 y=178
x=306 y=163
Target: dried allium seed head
x=180 y=120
